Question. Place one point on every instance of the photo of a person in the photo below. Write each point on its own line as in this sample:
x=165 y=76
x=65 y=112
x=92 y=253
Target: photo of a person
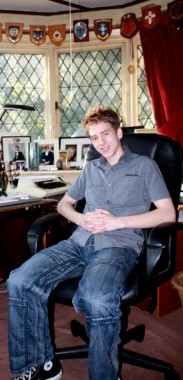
x=19 y=156
x=62 y=161
x=71 y=152
x=15 y=149
x=63 y=155
x=47 y=156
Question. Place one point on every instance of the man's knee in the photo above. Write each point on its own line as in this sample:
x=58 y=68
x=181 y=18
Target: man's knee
x=95 y=306
x=16 y=282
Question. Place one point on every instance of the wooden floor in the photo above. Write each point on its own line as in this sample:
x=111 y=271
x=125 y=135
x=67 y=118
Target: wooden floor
x=163 y=340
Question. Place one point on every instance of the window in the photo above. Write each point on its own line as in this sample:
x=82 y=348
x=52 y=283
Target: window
x=95 y=80
x=22 y=82
x=145 y=113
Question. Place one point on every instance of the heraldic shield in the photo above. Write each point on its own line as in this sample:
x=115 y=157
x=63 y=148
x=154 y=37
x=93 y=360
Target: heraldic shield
x=81 y=30
x=57 y=34
x=37 y=34
x=175 y=13
x=103 y=28
x=129 y=25
x=14 y=32
x=151 y=16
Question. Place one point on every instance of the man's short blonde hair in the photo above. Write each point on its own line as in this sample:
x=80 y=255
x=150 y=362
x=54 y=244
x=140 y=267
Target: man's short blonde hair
x=101 y=113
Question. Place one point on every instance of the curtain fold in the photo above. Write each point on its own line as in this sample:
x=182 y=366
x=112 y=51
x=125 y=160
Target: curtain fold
x=162 y=48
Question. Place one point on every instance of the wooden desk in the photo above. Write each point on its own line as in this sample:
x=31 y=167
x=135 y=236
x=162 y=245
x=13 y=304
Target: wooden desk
x=14 y=223
x=15 y=220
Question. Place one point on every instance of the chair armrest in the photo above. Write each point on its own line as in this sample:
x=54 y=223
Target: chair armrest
x=51 y=224
x=161 y=253
x=160 y=248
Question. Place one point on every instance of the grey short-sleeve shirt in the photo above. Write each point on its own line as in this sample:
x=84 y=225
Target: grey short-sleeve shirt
x=126 y=188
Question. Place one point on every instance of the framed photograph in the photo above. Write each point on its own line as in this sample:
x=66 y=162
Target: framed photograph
x=76 y=148
x=15 y=148
x=48 y=153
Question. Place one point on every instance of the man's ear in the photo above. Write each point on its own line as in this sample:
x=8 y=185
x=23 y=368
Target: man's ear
x=119 y=133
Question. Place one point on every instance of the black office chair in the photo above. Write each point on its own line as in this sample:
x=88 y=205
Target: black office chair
x=157 y=262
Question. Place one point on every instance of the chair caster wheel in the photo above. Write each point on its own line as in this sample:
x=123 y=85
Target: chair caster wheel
x=75 y=327
x=78 y=329
x=140 y=333
x=172 y=375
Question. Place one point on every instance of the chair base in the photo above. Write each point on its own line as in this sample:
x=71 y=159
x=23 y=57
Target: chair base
x=144 y=361
x=76 y=352
x=126 y=356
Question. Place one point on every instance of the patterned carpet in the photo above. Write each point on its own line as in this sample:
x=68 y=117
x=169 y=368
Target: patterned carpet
x=163 y=340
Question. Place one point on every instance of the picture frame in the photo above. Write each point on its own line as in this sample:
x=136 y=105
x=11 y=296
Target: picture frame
x=48 y=161
x=78 y=146
x=9 y=144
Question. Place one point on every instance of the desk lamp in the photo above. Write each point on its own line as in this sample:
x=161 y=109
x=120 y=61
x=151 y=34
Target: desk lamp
x=16 y=107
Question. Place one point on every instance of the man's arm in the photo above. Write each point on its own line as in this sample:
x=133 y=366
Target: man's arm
x=163 y=214
x=65 y=208
x=101 y=220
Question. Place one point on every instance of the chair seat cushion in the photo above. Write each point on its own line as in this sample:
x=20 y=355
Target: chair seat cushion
x=136 y=289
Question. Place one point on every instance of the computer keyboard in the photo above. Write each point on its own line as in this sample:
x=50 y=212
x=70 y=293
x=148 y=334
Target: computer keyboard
x=51 y=184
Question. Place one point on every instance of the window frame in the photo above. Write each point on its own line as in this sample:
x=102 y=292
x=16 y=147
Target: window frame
x=51 y=53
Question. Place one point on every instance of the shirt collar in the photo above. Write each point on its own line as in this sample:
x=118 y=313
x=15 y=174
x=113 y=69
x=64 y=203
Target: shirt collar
x=126 y=157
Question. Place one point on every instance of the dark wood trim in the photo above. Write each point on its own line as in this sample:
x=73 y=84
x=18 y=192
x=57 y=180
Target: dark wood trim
x=79 y=9
x=73 y=5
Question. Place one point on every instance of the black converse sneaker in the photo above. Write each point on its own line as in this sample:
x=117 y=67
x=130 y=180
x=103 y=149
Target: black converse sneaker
x=50 y=370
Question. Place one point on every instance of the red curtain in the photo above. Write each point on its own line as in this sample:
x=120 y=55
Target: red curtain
x=163 y=57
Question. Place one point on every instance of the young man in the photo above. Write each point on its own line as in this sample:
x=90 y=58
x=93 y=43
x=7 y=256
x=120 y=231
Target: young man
x=119 y=188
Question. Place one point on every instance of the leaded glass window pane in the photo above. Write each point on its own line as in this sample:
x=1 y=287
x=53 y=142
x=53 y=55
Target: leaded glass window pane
x=145 y=114
x=22 y=82
x=95 y=80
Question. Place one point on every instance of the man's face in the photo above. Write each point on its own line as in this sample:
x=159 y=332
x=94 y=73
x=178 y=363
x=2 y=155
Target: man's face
x=106 y=141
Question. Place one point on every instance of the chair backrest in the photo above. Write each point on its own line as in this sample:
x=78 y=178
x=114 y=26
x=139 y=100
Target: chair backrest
x=158 y=263
x=165 y=151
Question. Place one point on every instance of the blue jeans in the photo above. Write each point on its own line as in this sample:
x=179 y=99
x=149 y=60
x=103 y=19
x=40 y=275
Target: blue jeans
x=98 y=296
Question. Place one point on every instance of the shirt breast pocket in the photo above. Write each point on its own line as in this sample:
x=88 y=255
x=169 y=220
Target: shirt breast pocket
x=95 y=192
x=131 y=192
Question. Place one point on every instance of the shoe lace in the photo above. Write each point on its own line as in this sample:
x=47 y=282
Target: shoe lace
x=27 y=374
